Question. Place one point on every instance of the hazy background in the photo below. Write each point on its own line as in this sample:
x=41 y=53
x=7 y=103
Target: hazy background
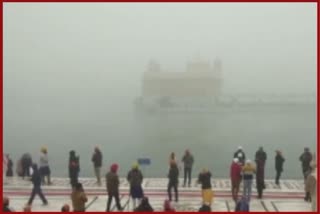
x=72 y=71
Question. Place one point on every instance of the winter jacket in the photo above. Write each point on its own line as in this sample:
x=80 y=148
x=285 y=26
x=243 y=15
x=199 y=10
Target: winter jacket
x=305 y=159
x=248 y=171
x=205 y=180
x=279 y=160
x=235 y=172
x=97 y=159
x=44 y=161
x=74 y=165
x=188 y=161
x=79 y=199
x=173 y=175
x=261 y=155
x=135 y=177
x=113 y=182
x=36 y=178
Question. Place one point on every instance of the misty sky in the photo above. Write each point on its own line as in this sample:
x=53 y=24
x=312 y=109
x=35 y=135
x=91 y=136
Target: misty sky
x=264 y=47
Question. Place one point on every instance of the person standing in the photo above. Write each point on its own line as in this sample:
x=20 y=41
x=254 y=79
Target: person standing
x=311 y=185
x=74 y=168
x=204 y=179
x=26 y=163
x=78 y=198
x=188 y=161
x=44 y=166
x=173 y=180
x=305 y=159
x=235 y=175
x=135 y=179
x=9 y=171
x=240 y=155
x=97 y=163
x=279 y=160
x=260 y=177
x=36 y=180
x=112 y=183
x=260 y=159
x=248 y=171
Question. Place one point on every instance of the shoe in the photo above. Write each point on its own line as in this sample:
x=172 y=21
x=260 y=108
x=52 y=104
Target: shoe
x=45 y=203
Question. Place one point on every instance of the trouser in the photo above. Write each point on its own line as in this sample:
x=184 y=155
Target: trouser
x=187 y=175
x=260 y=189
x=235 y=189
x=73 y=179
x=25 y=171
x=116 y=197
x=247 y=187
x=278 y=174
x=45 y=172
x=37 y=190
x=97 y=173
x=175 y=187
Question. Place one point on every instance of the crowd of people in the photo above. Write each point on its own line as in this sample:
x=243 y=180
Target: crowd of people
x=242 y=170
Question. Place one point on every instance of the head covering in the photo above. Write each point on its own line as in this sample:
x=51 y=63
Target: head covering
x=65 y=208
x=205 y=170
x=239 y=155
x=167 y=205
x=306 y=149
x=236 y=160
x=44 y=149
x=5 y=201
x=114 y=168
x=239 y=147
x=135 y=165
x=187 y=151
x=96 y=149
x=72 y=153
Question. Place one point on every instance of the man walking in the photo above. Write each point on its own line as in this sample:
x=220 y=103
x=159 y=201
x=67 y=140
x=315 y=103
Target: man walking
x=36 y=180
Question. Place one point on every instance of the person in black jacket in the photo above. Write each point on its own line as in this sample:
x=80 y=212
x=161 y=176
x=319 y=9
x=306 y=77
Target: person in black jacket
x=74 y=168
x=135 y=179
x=173 y=180
x=9 y=172
x=26 y=162
x=204 y=179
x=305 y=159
x=97 y=163
x=279 y=160
x=36 y=180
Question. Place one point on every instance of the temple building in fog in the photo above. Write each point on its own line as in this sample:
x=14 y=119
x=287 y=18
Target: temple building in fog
x=200 y=84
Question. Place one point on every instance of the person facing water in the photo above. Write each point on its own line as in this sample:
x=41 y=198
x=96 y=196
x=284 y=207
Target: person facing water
x=9 y=171
x=26 y=163
x=240 y=155
x=279 y=160
x=112 y=183
x=44 y=166
x=305 y=158
x=204 y=179
x=135 y=179
x=248 y=171
x=97 y=164
x=74 y=168
x=36 y=180
x=173 y=176
x=78 y=198
x=260 y=177
x=188 y=161
x=235 y=176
